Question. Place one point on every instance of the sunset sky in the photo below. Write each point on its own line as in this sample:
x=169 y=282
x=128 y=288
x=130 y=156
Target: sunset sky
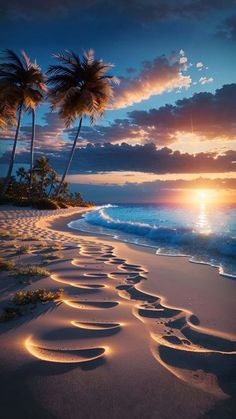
x=173 y=116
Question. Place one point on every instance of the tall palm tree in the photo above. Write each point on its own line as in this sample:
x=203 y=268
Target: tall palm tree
x=79 y=87
x=22 y=87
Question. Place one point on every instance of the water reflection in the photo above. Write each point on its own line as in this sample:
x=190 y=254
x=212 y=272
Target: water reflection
x=203 y=224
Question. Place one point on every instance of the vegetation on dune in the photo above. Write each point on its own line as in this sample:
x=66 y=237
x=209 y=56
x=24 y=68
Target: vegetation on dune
x=25 y=272
x=6 y=265
x=78 y=87
x=23 y=249
x=39 y=295
x=10 y=313
x=7 y=235
x=56 y=246
x=21 y=299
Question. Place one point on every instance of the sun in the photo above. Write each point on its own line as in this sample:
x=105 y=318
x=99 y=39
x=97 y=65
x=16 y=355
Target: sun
x=202 y=195
x=206 y=196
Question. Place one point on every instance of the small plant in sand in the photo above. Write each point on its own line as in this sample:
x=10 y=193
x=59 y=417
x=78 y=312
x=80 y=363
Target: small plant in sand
x=23 y=250
x=56 y=246
x=26 y=237
x=7 y=235
x=50 y=257
x=25 y=273
x=41 y=246
x=39 y=295
x=9 y=313
x=6 y=265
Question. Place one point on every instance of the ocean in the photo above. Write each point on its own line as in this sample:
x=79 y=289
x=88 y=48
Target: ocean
x=203 y=233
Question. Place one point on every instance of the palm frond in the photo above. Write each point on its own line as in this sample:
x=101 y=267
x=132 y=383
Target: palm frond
x=79 y=87
x=10 y=55
x=21 y=81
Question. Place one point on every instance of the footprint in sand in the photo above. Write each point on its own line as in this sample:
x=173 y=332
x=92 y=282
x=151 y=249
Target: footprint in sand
x=80 y=356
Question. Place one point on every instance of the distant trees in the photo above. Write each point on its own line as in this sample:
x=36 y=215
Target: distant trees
x=43 y=181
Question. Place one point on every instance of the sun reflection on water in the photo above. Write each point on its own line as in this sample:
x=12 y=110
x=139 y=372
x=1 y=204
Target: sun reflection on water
x=203 y=224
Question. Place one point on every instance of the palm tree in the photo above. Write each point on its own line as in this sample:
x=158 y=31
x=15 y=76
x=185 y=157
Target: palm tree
x=79 y=87
x=22 y=87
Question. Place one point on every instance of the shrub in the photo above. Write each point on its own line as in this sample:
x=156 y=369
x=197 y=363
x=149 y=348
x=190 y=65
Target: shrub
x=7 y=235
x=31 y=270
x=9 y=313
x=56 y=246
x=22 y=250
x=6 y=265
x=39 y=295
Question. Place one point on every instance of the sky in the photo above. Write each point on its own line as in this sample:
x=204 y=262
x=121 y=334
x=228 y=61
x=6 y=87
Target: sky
x=172 y=123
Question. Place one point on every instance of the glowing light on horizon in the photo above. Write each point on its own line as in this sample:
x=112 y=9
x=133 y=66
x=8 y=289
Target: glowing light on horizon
x=202 y=194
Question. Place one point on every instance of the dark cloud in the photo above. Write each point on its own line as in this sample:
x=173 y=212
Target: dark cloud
x=208 y=115
x=141 y=158
x=147 y=158
x=49 y=135
x=142 y=10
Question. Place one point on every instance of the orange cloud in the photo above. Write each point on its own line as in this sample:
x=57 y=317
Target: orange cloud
x=155 y=78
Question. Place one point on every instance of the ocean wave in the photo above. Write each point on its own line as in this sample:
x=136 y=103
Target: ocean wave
x=174 y=237
x=211 y=248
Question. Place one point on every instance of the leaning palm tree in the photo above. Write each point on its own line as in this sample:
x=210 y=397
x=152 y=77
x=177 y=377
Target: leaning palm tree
x=79 y=87
x=22 y=87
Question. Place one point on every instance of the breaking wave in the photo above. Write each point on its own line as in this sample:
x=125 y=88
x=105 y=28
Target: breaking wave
x=212 y=248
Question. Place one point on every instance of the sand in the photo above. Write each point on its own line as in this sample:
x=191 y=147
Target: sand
x=136 y=335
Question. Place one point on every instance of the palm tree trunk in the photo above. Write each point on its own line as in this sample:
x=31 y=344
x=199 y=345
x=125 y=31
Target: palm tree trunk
x=70 y=158
x=50 y=190
x=13 y=153
x=32 y=150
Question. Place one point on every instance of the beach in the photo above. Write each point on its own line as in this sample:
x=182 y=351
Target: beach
x=134 y=335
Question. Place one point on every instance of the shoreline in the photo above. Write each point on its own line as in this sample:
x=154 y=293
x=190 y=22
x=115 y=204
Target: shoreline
x=114 y=234
x=180 y=263
x=129 y=319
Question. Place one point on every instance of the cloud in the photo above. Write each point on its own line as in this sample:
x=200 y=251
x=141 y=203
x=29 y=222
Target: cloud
x=48 y=136
x=208 y=115
x=205 y=80
x=141 y=158
x=141 y=10
x=183 y=60
x=155 y=78
x=200 y=65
